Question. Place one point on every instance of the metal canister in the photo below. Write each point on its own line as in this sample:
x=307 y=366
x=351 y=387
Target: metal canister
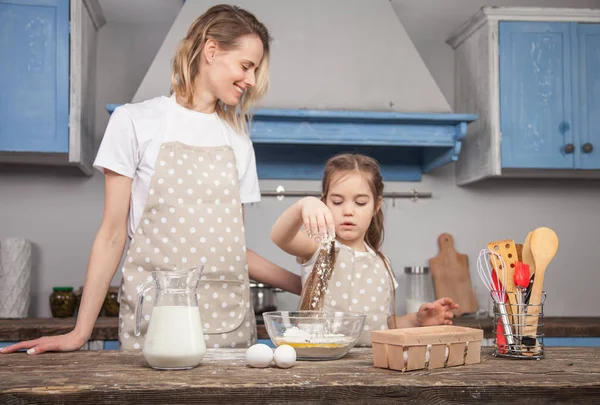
x=263 y=297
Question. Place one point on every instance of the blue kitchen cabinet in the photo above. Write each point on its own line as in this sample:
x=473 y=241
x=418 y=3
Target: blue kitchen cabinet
x=533 y=78
x=535 y=94
x=589 y=95
x=34 y=75
x=47 y=81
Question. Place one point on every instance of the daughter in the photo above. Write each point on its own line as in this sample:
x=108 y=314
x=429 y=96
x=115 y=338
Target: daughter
x=350 y=211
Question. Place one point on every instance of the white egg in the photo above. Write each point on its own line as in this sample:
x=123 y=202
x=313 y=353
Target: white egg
x=285 y=356
x=259 y=355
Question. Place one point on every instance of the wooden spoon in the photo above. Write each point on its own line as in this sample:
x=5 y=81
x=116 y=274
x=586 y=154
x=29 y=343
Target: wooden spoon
x=527 y=257
x=544 y=245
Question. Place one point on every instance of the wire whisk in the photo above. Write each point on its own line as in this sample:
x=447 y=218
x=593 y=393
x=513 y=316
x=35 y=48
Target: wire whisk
x=488 y=263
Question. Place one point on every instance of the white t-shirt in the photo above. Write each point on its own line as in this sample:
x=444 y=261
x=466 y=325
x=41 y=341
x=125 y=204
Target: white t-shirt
x=306 y=268
x=135 y=132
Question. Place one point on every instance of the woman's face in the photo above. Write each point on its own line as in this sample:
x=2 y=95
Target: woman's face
x=230 y=73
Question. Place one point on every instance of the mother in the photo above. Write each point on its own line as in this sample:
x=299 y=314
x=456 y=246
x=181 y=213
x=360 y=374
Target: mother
x=178 y=170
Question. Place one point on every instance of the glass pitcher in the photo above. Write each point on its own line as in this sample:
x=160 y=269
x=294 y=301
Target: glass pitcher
x=174 y=339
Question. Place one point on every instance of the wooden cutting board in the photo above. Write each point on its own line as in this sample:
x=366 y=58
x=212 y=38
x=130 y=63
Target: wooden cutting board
x=451 y=277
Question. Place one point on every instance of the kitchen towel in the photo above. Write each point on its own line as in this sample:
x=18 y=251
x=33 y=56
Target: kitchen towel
x=15 y=277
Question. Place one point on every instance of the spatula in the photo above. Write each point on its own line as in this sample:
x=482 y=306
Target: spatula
x=519 y=248
x=543 y=245
x=507 y=250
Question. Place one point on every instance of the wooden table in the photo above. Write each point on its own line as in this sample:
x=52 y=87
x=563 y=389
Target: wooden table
x=14 y=330
x=106 y=328
x=566 y=375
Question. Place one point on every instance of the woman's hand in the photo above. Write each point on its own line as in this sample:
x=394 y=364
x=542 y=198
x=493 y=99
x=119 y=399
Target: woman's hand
x=317 y=218
x=436 y=313
x=61 y=343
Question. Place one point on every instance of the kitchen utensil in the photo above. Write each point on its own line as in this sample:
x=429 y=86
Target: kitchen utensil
x=528 y=341
x=451 y=277
x=528 y=291
x=500 y=336
x=521 y=280
x=544 y=245
x=174 y=339
x=519 y=247
x=315 y=335
x=527 y=257
x=507 y=250
x=487 y=261
x=263 y=297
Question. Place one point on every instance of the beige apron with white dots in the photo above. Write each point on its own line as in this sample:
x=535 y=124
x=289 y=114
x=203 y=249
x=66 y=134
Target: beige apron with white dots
x=192 y=216
x=361 y=283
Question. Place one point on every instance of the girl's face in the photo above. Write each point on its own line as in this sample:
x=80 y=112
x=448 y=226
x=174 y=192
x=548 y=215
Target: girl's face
x=353 y=206
x=230 y=73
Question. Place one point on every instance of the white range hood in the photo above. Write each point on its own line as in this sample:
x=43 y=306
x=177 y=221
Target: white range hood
x=326 y=54
x=344 y=75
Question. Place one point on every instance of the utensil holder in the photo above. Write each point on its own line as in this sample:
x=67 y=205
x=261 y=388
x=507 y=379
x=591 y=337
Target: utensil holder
x=511 y=341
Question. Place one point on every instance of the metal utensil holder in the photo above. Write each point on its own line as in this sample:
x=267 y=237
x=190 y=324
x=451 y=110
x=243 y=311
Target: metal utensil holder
x=518 y=345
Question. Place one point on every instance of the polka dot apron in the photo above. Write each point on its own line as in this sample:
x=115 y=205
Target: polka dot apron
x=192 y=216
x=361 y=283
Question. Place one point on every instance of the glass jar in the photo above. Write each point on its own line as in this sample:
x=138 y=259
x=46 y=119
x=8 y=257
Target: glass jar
x=62 y=302
x=78 y=293
x=111 y=302
x=419 y=288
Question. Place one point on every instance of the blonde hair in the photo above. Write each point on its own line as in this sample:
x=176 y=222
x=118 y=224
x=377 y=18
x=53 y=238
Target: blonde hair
x=225 y=25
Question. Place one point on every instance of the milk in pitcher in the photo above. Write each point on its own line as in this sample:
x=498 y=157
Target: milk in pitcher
x=174 y=339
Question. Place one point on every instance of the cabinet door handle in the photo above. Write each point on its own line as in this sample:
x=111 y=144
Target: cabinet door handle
x=569 y=148
x=587 y=148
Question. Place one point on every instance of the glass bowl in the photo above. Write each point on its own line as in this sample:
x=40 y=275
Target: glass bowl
x=315 y=335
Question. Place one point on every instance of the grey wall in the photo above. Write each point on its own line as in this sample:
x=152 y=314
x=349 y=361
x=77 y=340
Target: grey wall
x=60 y=212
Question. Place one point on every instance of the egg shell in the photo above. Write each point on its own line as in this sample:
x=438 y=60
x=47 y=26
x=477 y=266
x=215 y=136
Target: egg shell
x=285 y=356
x=259 y=355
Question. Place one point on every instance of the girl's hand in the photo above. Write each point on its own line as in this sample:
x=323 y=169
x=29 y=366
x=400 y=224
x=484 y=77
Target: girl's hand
x=436 y=313
x=61 y=343
x=318 y=221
